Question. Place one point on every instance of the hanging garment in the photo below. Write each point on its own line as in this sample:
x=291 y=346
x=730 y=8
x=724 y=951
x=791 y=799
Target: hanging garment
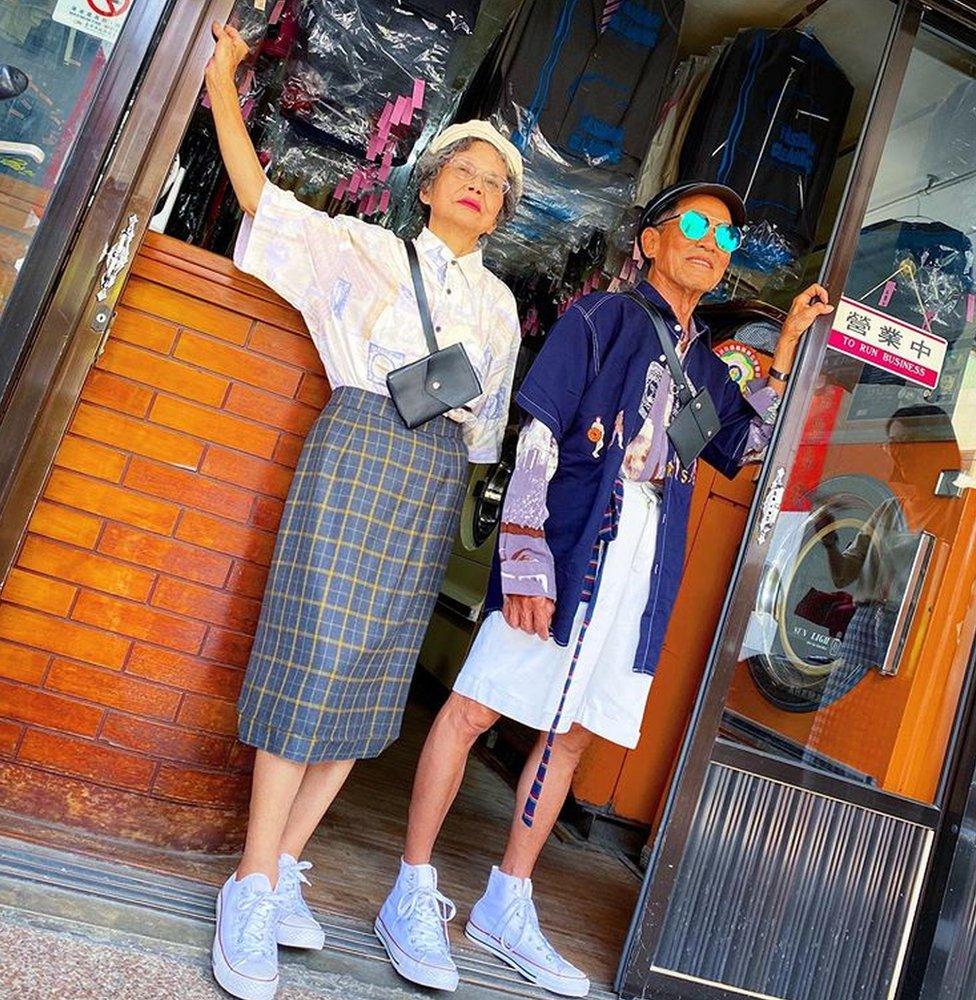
x=669 y=117
x=589 y=74
x=357 y=56
x=917 y=271
x=660 y=166
x=769 y=124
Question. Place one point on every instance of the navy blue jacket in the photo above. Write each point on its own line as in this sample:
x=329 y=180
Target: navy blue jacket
x=594 y=363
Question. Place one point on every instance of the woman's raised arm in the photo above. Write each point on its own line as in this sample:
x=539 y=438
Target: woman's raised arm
x=236 y=148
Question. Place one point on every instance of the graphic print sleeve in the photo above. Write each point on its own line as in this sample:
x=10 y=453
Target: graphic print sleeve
x=526 y=563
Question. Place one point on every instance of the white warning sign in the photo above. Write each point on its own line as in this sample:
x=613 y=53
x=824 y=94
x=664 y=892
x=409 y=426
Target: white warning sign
x=101 y=18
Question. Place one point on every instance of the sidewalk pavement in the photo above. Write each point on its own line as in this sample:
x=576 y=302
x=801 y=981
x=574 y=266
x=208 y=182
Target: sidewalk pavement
x=51 y=958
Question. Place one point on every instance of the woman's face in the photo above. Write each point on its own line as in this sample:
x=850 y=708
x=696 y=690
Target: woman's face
x=468 y=193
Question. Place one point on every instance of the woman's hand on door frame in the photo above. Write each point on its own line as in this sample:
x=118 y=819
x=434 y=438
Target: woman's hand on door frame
x=230 y=51
x=236 y=149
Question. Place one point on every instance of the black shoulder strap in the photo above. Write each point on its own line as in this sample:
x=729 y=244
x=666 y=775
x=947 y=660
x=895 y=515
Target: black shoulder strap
x=418 y=287
x=677 y=373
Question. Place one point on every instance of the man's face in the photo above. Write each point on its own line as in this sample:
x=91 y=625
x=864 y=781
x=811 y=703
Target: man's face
x=899 y=448
x=694 y=265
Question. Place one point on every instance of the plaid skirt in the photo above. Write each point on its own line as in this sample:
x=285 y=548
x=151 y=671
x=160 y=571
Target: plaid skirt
x=361 y=551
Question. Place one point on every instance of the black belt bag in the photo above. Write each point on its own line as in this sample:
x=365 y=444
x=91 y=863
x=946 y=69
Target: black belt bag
x=443 y=380
x=696 y=421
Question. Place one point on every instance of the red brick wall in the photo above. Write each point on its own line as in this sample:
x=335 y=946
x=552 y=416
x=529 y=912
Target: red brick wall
x=126 y=621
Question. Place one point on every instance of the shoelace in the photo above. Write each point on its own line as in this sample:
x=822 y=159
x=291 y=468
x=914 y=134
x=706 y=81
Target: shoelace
x=520 y=917
x=432 y=910
x=290 y=880
x=257 y=910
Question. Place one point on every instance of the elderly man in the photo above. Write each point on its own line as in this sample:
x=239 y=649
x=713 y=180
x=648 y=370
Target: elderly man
x=588 y=566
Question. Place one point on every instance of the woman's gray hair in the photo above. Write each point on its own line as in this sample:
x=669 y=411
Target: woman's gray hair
x=431 y=164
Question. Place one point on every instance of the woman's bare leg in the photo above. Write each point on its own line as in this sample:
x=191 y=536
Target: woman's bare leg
x=319 y=787
x=274 y=786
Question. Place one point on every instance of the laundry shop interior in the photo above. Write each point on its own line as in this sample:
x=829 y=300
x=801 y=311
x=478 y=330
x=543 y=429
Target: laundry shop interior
x=609 y=102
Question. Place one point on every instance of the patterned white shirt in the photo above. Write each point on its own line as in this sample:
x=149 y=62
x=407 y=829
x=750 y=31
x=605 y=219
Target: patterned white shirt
x=351 y=282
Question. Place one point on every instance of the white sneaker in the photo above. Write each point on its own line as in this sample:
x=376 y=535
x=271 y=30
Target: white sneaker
x=245 y=955
x=504 y=922
x=412 y=924
x=297 y=928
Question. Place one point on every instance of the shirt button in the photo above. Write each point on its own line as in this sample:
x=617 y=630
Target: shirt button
x=662 y=358
x=453 y=263
x=437 y=329
x=677 y=327
x=449 y=291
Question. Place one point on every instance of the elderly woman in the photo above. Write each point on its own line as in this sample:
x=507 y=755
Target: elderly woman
x=373 y=508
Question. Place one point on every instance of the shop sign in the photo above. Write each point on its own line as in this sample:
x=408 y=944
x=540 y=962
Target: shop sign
x=101 y=18
x=887 y=343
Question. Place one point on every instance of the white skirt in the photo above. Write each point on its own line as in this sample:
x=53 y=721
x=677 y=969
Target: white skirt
x=522 y=676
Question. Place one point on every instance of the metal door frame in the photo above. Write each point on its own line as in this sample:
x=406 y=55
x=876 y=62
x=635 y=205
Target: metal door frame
x=702 y=745
x=141 y=128
x=69 y=198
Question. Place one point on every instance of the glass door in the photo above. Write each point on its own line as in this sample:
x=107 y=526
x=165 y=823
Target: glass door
x=795 y=847
x=53 y=56
x=67 y=68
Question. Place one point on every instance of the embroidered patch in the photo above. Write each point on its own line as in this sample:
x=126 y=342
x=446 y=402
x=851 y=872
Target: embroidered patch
x=655 y=372
x=743 y=363
x=596 y=434
x=618 y=431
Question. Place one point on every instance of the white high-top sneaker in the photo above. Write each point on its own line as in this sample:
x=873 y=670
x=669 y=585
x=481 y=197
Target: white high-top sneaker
x=504 y=922
x=412 y=924
x=297 y=928
x=245 y=954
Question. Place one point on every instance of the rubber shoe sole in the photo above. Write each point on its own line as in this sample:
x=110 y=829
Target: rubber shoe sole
x=563 y=987
x=411 y=969
x=242 y=987
x=301 y=937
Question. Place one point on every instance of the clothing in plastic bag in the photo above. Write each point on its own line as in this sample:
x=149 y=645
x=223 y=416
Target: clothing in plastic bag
x=589 y=75
x=364 y=70
x=769 y=124
x=564 y=203
x=660 y=167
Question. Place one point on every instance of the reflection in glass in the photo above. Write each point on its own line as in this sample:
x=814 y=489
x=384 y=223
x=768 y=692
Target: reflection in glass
x=52 y=57
x=854 y=654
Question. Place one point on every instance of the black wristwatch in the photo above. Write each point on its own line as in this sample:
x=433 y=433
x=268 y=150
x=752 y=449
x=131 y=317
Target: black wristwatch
x=778 y=375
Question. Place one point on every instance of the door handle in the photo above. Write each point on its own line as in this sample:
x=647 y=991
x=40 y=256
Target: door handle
x=117 y=258
x=909 y=604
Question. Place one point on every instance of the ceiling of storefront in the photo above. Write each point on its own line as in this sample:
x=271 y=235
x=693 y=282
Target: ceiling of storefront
x=709 y=21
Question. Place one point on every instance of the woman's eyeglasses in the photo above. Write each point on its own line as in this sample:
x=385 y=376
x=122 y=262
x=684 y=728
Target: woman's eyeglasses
x=468 y=172
x=696 y=226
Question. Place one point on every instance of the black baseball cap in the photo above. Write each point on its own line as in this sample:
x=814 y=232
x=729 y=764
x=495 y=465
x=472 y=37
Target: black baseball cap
x=671 y=195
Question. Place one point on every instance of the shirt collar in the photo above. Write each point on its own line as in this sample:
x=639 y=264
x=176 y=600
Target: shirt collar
x=698 y=327
x=470 y=265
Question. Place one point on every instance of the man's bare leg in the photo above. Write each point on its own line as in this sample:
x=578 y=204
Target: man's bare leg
x=440 y=772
